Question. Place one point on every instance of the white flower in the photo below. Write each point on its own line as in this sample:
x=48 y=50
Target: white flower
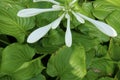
x=52 y=1
x=42 y=31
x=68 y=35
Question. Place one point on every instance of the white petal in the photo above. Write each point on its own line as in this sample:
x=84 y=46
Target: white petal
x=58 y=7
x=52 y=1
x=33 y=11
x=68 y=35
x=80 y=19
x=38 y=34
x=103 y=27
x=56 y=23
x=71 y=3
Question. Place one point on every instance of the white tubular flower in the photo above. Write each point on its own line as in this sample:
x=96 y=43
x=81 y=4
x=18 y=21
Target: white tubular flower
x=103 y=27
x=80 y=19
x=56 y=23
x=52 y=1
x=71 y=3
x=38 y=34
x=33 y=11
x=42 y=31
x=68 y=35
x=58 y=7
x=67 y=9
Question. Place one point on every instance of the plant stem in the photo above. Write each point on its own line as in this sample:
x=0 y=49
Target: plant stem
x=57 y=78
x=39 y=57
x=5 y=42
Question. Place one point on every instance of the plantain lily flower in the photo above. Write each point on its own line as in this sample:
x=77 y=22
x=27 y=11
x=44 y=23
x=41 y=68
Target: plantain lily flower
x=42 y=31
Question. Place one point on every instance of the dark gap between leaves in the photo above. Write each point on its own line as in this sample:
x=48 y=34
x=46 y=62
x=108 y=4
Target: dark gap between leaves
x=11 y=39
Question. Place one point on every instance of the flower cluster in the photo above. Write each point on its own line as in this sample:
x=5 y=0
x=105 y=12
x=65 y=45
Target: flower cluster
x=42 y=31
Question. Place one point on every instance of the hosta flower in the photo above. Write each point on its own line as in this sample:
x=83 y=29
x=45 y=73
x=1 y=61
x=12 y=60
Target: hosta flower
x=67 y=10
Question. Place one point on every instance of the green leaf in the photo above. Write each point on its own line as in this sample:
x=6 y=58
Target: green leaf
x=6 y=78
x=87 y=41
x=55 y=38
x=68 y=63
x=38 y=77
x=91 y=75
x=15 y=55
x=102 y=9
x=32 y=69
x=17 y=62
x=89 y=57
x=1 y=49
x=114 y=50
x=88 y=7
x=92 y=34
x=106 y=78
x=11 y=24
x=102 y=66
x=117 y=77
x=115 y=2
x=101 y=51
x=113 y=20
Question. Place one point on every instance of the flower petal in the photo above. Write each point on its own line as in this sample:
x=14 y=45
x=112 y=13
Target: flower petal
x=57 y=7
x=38 y=34
x=52 y=1
x=80 y=19
x=103 y=27
x=56 y=23
x=68 y=35
x=33 y=11
x=71 y=3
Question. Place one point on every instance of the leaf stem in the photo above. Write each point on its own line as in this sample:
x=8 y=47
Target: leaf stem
x=40 y=57
x=57 y=78
x=5 y=42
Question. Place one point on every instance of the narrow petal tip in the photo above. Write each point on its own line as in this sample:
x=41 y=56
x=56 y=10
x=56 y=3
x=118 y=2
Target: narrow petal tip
x=102 y=26
x=30 y=40
x=38 y=34
x=52 y=1
x=35 y=1
x=113 y=33
x=27 y=12
x=68 y=45
x=79 y=18
x=56 y=23
x=68 y=35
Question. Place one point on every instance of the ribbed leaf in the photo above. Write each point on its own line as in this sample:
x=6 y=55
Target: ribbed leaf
x=38 y=77
x=114 y=50
x=117 y=77
x=11 y=24
x=102 y=9
x=113 y=20
x=115 y=2
x=6 y=78
x=68 y=63
x=0 y=57
x=17 y=60
x=106 y=78
x=102 y=66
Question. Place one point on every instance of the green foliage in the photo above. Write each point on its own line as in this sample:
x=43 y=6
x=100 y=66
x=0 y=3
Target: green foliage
x=66 y=63
x=12 y=25
x=17 y=62
x=93 y=55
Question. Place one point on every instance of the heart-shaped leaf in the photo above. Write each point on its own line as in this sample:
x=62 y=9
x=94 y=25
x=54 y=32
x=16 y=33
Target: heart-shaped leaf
x=68 y=63
x=11 y=24
x=17 y=62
